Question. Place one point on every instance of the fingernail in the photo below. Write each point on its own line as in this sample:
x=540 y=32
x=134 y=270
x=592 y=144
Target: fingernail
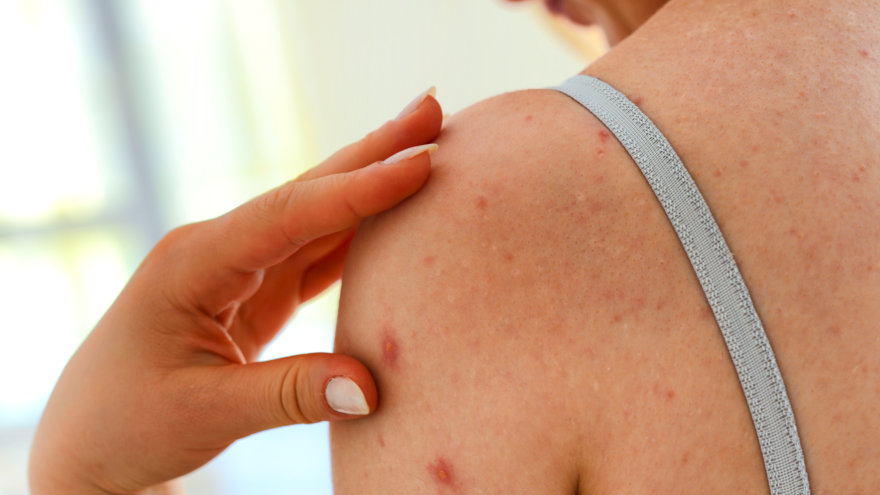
x=345 y=396
x=410 y=152
x=411 y=106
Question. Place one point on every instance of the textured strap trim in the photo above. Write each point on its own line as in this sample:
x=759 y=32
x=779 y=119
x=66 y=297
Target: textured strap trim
x=719 y=276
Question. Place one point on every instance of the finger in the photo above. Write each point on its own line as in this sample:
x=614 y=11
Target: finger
x=222 y=264
x=420 y=126
x=324 y=272
x=293 y=390
x=260 y=318
x=271 y=227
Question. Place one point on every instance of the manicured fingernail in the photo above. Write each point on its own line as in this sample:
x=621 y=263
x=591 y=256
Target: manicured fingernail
x=410 y=152
x=411 y=106
x=345 y=396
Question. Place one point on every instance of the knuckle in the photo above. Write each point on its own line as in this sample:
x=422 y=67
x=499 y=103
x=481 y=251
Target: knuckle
x=279 y=205
x=292 y=404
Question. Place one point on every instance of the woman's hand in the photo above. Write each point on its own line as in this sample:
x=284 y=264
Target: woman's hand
x=167 y=379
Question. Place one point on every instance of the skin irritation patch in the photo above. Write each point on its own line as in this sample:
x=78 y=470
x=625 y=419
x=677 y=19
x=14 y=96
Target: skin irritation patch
x=482 y=203
x=441 y=472
x=390 y=349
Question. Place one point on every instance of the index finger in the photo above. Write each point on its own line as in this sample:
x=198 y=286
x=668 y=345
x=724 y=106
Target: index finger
x=419 y=127
x=227 y=251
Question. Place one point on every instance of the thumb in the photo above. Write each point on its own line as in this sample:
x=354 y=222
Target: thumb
x=299 y=389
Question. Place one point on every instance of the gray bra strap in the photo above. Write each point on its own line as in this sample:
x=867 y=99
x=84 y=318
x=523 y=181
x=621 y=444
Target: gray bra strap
x=718 y=274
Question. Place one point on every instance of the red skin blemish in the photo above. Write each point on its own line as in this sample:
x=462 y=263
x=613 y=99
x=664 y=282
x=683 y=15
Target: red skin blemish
x=670 y=394
x=429 y=260
x=604 y=135
x=638 y=101
x=717 y=172
x=441 y=472
x=390 y=350
x=381 y=441
x=744 y=163
x=508 y=257
x=482 y=203
x=863 y=52
x=528 y=118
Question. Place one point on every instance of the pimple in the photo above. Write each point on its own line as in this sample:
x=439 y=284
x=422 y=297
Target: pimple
x=863 y=52
x=528 y=118
x=482 y=203
x=670 y=394
x=390 y=349
x=508 y=256
x=429 y=260
x=604 y=135
x=441 y=472
x=717 y=172
x=637 y=101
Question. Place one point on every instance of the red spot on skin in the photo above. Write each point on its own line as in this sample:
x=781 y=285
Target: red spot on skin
x=429 y=260
x=441 y=472
x=777 y=198
x=508 y=257
x=706 y=312
x=482 y=203
x=604 y=135
x=670 y=394
x=617 y=318
x=717 y=172
x=390 y=349
x=863 y=52
x=834 y=330
x=638 y=101
x=744 y=163
x=660 y=305
x=598 y=179
x=528 y=118
x=381 y=441
x=685 y=458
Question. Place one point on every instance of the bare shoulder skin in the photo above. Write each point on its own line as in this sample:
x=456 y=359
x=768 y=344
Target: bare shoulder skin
x=533 y=323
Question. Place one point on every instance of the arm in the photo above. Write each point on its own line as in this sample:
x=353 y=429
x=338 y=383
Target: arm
x=445 y=299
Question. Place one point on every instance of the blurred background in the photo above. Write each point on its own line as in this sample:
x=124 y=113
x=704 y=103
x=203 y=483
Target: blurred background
x=122 y=119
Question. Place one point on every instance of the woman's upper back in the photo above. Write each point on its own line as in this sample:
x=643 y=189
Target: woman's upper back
x=535 y=326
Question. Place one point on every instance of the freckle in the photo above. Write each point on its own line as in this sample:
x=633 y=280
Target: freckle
x=429 y=260
x=604 y=135
x=482 y=203
x=528 y=118
x=706 y=312
x=390 y=349
x=863 y=52
x=441 y=471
